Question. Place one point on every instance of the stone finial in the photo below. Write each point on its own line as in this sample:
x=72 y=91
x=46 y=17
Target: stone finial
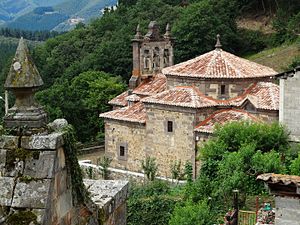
x=23 y=80
x=218 y=44
x=138 y=34
x=167 y=35
x=153 y=31
x=23 y=73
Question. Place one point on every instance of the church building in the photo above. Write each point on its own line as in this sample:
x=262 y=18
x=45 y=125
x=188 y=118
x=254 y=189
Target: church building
x=170 y=109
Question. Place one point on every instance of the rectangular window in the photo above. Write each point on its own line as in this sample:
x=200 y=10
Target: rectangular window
x=222 y=89
x=170 y=126
x=122 y=151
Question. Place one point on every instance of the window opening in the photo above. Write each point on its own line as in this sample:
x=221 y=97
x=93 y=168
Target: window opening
x=170 y=126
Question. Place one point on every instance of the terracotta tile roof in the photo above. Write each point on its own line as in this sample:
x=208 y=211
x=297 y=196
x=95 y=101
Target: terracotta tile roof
x=219 y=64
x=134 y=113
x=221 y=117
x=152 y=86
x=120 y=100
x=280 y=179
x=263 y=95
x=148 y=87
x=133 y=98
x=186 y=96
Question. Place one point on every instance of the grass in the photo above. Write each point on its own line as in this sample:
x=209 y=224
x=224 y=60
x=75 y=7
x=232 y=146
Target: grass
x=278 y=58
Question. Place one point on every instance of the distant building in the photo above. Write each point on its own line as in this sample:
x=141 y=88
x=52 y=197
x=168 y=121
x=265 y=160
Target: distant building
x=289 y=113
x=286 y=189
x=169 y=109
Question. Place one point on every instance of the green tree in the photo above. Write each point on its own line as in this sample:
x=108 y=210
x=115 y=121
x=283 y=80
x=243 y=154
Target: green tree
x=81 y=100
x=149 y=167
x=192 y=213
x=236 y=155
x=199 y=24
x=295 y=166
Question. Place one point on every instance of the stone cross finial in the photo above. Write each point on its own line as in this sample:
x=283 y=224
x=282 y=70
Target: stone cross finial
x=23 y=80
x=138 y=34
x=153 y=31
x=168 y=31
x=218 y=44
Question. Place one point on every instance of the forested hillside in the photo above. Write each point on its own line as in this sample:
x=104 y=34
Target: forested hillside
x=48 y=15
x=105 y=45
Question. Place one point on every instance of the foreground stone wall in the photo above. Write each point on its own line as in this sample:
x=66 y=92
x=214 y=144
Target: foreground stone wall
x=129 y=135
x=34 y=177
x=36 y=183
x=289 y=110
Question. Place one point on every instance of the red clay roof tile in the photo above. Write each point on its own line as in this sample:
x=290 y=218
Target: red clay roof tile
x=219 y=64
x=186 y=96
x=151 y=86
x=221 y=117
x=133 y=113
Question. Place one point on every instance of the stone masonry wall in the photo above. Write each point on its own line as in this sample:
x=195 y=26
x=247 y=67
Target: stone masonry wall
x=287 y=210
x=212 y=88
x=129 y=135
x=289 y=110
x=35 y=182
x=167 y=147
x=34 y=177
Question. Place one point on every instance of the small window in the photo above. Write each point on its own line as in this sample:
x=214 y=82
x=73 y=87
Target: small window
x=222 y=89
x=122 y=151
x=170 y=126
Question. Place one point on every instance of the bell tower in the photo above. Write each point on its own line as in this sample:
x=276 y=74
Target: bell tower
x=151 y=53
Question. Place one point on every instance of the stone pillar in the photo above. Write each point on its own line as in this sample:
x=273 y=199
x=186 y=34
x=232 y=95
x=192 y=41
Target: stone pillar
x=136 y=71
x=23 y=80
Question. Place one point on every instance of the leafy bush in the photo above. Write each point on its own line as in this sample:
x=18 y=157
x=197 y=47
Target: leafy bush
x=295 y=166
x=149 y=167
x=150 y=204
x=192 y=213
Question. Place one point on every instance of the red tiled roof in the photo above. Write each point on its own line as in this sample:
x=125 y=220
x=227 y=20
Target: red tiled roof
x=133 y=98
x=151 y=86
x=187 y=96
x=120 y=100
x=263 y=95
x=134 y=113
x=221 y=117
x=280 y=179
x=219 y=64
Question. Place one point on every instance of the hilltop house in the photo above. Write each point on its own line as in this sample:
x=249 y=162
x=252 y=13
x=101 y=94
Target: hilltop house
x=169 y=109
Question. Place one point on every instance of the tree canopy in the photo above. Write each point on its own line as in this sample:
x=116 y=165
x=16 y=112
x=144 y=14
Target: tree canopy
x=81 y=100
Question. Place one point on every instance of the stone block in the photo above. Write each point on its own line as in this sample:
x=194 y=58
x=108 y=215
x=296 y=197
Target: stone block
x=61 y=182
x=2 y=161
x=41 y=167
x=61 y=159
x=51 y=141
x=64 y=204
x=32 y=195
x=9 y=142
x=58 y=125
x=6 y=190
x=40 y=213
